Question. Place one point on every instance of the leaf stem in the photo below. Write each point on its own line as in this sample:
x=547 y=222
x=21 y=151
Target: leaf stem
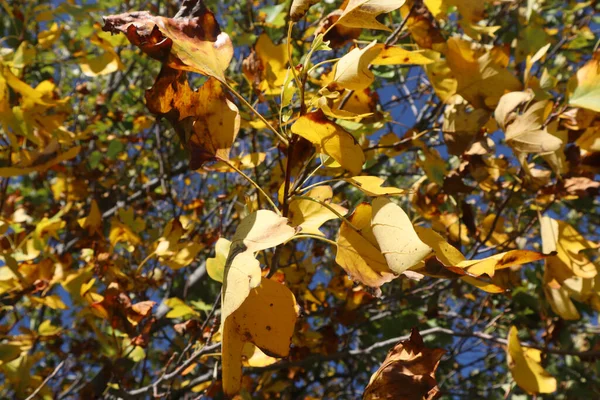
x=259 y=115
x=327 y=206
x=256 y=185
x=311 y=236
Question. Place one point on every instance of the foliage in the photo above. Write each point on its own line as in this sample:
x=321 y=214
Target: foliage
x=206 y=199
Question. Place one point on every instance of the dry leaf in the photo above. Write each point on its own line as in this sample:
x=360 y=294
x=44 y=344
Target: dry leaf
x=408 y=372
x=299 y=8
x=192 y=44
x=363 y=13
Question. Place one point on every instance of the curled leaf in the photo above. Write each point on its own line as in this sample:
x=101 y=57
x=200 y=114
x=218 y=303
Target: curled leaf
x=207 y=121
x=363 y=13
x=408 y=372
x=331 y=139
x=352 y=71
x=310 y=215
x=190 y=44
x=261 y=230
x=525 y=366
x=358 y=252
x=396 y=236
x=299 y=8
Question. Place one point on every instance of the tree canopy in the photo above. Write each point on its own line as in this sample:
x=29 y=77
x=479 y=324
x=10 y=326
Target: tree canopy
x=299 y=199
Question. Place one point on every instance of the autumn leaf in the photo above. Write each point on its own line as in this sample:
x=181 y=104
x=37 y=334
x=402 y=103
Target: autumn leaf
x=358 y=252
x=583 y=89
x=493 y=263
x=525 y=366
x=267 y=319
x=482 y=76
x=241 y=275
x=309 y=215
x=394 y=55
x=191 y=44
x=299 y=8
x=363 y=13
x=215 y=266
x=207 y=121
x=373 y=186
x=93 y=222
x=261 y=230
x=408 y=372
x=331 y=139
x=104 y=64
x=352 y=71
x=396 y=236
x=274 y=64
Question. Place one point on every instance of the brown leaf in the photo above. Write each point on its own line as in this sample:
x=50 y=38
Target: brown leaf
x=407 y=373
x=207 y=121
x=190 y=44
x=581 y=186
x=299 y=8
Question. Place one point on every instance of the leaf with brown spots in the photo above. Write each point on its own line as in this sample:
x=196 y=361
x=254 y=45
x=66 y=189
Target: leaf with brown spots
x=266 y=319
x=193 y=43
x=207 y=121
x=408 y=372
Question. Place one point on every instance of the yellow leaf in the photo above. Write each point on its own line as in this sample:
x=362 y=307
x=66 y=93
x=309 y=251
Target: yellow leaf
x=558 y=297
x=394 y=55
x=261 y=230
x=267 y=319
x=462 y=127
x=242 y=275
x=525 y=134
x=48 y=37
x=373 y=186
x=442 y=78
x=525 y=366
x=53 y=301
x=254 y=357
x=396 y=236
x=507 y=259
x=93 y=222
x=40 y=164
x=352 y=71
x=583 y=89
x=47 y=329
x=274 y=60
x=363 y=13
x=331 y=139
x=310 y=215
x=178 y=308
x=498 y=236
x=216 y=266
x=449 y=255
x=358 y=252
x=561 y=237
x=482 y=76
